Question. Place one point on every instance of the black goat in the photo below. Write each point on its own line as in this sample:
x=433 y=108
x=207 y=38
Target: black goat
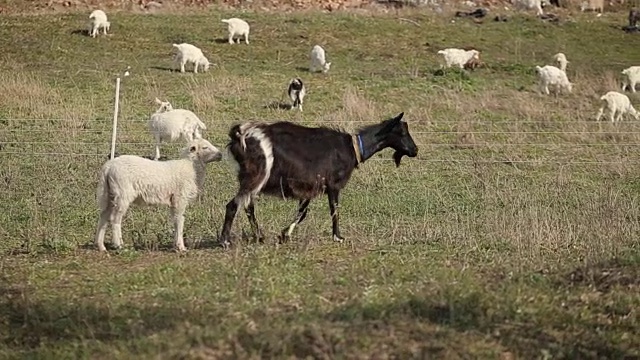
x=294 y=161
x=634 y=17
x=296 y=93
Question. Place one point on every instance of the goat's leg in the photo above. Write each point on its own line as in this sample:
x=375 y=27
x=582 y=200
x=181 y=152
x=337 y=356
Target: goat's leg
x=303 y=209
x=612 y=113
x=600 y=112
x=105 y=214
x=231 y=38
x=246 y=38
x=633 y=86
x=182 y=62
x=333 y=208
x=157 y=156
x=230 y=214
x=250 y=210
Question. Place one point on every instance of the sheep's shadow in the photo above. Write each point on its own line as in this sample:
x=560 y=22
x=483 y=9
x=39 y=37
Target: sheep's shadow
x=278 y=105
x=83 y=32
x=164 y=68
x=221 y=40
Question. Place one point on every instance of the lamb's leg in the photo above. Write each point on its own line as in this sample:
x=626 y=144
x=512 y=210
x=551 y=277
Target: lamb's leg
x=303 y=208
x=105 y=214
x=633 y=86
x=231 y=38
x=251 y=215
x=157 y=156
x=195 y=67
x=624 y=85
x=612 y=113
x=177 y=214
x=246 y=38
x=333 y=208
x=182 y=62
x=116 y=223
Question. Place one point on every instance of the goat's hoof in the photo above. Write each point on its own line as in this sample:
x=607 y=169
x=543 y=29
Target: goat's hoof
x=284 y=238
x=338 y=238
x=225 y=244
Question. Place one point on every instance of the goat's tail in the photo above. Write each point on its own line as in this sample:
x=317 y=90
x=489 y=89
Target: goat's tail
x=442 y=52
x=225 y=21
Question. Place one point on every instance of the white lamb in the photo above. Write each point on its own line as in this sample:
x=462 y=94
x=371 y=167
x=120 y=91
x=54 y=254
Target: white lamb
x=130 y=179
x=552 y=76
x=318 y=60
x=616 y=103
x=458 y=57
x=632 y=77
x=237 y=27
x=189 y=53
x=561 y=59
x=169 y=124
x=98 y=21
x=529 y=5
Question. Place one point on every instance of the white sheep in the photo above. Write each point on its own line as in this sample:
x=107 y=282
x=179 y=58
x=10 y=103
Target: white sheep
x=552 y=76
x=458 y=57
x=98 y=21
x=561 y=59
x=632 y=77
x=130 y=179
x=318 y=60
x=189 y=53
x=529 y=5
x=296 y=91
x=237 y=27
x=169 y=124
x=616 y=103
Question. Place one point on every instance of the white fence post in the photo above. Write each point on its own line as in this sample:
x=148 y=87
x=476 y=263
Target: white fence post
x=115 y=119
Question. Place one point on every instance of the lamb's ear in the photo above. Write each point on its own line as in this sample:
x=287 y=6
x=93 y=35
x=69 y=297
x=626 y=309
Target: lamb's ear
x=158 y=101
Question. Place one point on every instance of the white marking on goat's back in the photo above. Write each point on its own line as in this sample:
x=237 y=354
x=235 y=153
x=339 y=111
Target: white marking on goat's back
x=267 y=150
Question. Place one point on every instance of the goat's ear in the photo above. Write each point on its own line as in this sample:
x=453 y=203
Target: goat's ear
x=399 y=118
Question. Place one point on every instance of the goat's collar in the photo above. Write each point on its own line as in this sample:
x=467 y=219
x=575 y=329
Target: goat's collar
x=356 y=139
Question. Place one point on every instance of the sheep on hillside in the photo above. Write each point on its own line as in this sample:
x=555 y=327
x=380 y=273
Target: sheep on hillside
x=237 y=27
x=552 y=76
x=169 y=124
x=318 y=60
x=458 y=57
x=189 y=53
x=631 y=78
x=98 y=21
x=130 y=179
x=529 y=5
x=561 y=59
x=616 y=103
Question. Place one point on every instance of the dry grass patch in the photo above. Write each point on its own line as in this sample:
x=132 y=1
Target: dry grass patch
x=207 y=92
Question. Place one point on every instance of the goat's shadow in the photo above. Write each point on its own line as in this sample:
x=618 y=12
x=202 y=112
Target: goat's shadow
x=303 y=68
x=278 y=105
x=164 y=68
x=83 y=32
x=221 y=40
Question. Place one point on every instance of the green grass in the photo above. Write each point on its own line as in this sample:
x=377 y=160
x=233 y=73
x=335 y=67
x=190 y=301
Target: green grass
x=514 y=233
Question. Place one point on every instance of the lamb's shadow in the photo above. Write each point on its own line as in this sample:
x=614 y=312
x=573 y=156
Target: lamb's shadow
x=83 y=32
x=303 y=68
x=277 y=105
x=164 y=68
x=221 y=40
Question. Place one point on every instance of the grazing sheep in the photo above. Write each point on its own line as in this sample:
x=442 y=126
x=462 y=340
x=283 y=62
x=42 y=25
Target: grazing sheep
x=561 y=59
x=634 y=17
x=552 y=76
x=594 y=5
x=288 y=160
x=631 y=78
x=169 y=124
x=296 y=93
x=458 y=57
x=237 y=27
x=189 y=53
x=616 y=102
x=318 y=60
x=130 y=179
x=98 y=21
x=529 y=5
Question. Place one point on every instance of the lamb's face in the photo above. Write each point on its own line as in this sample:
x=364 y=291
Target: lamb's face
x=205 y=151
x=326 y=67
x=164 y=105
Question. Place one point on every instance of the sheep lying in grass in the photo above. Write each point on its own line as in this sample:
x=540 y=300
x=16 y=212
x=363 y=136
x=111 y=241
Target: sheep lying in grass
x=594 y=5
x=169 y=124
x=552 y=76
x=98 y=21
x=458 y=57
x=318 y=60
x=529 y=5
x=189 y=53
x=296 y=93
x=631 y=78
x=130 y=179
x=616 y=103
x=237 y=27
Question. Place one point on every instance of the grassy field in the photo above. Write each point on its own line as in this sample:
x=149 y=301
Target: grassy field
x=513 y=234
